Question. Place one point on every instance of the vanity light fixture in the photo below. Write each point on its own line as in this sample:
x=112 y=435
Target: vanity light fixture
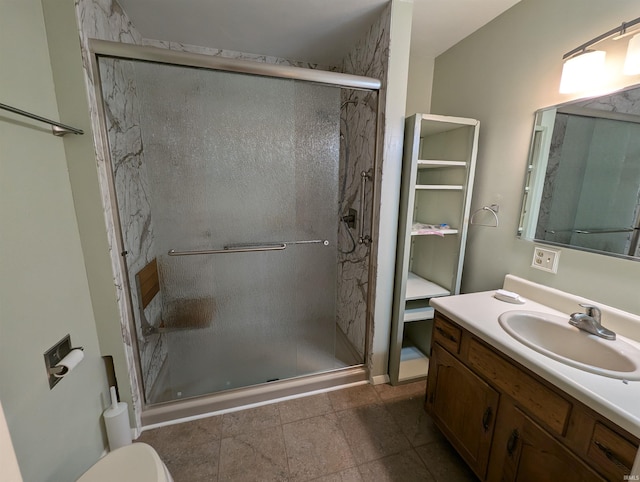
x=583 y=68
x=582 y=71
x=632 y=61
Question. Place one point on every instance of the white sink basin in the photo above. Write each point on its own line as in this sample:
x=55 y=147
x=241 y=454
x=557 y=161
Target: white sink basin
x=554 y=337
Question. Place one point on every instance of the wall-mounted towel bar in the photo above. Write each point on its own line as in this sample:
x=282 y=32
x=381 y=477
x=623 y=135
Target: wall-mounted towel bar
x=493 y=209
x=246 y=248
x=57 y=129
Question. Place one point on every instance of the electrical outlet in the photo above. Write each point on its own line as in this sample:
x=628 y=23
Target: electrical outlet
x=545 y=259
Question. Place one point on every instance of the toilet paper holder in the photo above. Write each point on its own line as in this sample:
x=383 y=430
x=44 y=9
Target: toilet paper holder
x=52 y=358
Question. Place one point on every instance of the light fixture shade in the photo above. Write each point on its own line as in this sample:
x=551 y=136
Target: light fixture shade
x=582 y=72
x=632 y=62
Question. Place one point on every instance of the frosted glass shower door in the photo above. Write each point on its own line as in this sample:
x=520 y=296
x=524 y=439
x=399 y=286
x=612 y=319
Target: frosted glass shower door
x=234 y=161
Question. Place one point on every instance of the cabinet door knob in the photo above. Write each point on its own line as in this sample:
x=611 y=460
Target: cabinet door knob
x=513 y=441
x=486 y=418
x=609 y=454
x=446 y=335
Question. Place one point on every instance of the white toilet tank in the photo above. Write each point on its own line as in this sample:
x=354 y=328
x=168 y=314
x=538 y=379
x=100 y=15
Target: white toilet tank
x=137 y=462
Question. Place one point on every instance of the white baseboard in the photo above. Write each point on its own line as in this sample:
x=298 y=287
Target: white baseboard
x=380 y=379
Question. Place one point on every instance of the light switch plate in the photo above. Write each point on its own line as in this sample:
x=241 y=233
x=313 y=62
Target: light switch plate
x=545 y=259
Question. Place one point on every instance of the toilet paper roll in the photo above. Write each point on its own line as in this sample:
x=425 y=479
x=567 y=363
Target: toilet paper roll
x=69 y=362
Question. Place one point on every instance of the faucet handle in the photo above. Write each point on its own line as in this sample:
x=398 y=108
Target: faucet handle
x=592 y=310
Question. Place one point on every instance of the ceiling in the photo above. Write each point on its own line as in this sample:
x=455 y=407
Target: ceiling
x=320 y=32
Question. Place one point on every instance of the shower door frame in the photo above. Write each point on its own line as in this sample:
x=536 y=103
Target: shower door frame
x=148 y=414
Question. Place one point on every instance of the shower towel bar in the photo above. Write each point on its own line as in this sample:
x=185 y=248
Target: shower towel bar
x=591 y=231
x=57 y=129
x=246 y=248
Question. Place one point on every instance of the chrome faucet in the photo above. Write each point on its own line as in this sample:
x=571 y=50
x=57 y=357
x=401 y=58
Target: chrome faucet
x=590 y=322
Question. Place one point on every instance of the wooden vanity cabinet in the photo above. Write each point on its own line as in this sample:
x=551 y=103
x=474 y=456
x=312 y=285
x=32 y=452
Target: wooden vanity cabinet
x=524 y=451
x=464 y=407
x=509 y=424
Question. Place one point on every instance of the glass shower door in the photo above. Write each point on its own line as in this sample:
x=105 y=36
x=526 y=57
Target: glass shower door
x=240 y=178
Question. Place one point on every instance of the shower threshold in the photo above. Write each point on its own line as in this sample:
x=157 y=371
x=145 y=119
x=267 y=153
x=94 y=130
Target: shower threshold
x=160 y=414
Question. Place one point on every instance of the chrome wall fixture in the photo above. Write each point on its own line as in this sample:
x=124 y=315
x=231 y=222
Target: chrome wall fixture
x=364 y=177
x=247 y=248
x=57 y=129
x=493 y=209
x=583 y=66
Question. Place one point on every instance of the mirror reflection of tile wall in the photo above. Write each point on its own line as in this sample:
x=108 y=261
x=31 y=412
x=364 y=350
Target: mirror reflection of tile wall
x=591 y=193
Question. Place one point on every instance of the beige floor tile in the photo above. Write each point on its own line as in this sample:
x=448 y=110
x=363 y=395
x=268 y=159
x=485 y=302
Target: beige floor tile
x=250 y=420
x=259 y=455
x=403 y=467
x=349 y=475
x=183 y=449
x=413 y=420
x=408 y=390
x=353 y=397
x=316 y=447
x=199 y=462
x=195 y=432
x=444 y=463
x=371 y=432
x=305 y=407
x=191 y=473
x=322 y=437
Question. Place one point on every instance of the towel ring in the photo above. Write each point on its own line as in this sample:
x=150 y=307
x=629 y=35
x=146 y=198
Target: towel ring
x=485 y=208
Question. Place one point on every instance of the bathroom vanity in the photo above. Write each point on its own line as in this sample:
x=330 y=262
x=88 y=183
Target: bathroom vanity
x=516 y=414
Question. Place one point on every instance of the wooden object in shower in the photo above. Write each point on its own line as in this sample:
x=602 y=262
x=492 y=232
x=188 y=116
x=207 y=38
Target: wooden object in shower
x=179 y=314
x=148 y=283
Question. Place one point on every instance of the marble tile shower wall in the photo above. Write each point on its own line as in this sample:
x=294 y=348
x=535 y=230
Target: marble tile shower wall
x=122 y=116
x=105 y=20
x=368 y=57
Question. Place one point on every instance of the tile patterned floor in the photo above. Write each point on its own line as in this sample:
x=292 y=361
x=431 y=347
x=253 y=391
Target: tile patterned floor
x=359 y=434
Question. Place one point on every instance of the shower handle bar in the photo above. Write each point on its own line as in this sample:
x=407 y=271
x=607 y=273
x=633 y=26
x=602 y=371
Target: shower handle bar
x=364 y=177
x=247 y=249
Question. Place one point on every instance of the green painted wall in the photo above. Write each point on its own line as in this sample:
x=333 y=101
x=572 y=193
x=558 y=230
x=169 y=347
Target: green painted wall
x=501 y=75
x=44 y=293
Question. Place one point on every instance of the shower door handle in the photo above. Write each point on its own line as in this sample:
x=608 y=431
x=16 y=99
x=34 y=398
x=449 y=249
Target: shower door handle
x=226 y=250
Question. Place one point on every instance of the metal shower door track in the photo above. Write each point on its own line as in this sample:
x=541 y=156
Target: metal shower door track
x=188 y=59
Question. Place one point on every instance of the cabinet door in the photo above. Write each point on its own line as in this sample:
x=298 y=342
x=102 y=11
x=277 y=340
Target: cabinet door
x=532 y=454
x=463 y=406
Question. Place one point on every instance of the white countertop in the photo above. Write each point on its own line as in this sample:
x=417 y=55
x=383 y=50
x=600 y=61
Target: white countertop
x=617 y=400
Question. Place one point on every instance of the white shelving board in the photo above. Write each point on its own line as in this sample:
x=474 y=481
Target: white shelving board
x=433 y=163
x=413 y=363
x=443 y=231
x=418 y=314
x=439 y=187
x=419 y=288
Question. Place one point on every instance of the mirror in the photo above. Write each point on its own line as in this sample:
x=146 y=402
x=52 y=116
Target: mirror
x=583 y=180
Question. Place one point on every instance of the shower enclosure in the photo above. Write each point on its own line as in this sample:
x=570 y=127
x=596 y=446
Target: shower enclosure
x=241 y=202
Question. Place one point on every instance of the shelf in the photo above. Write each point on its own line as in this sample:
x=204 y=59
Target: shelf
x=434 y=164
x=419 y=288
x=437 y=172
x=439 y=187
x=443 y=231
x=413 y=364
x=418 y=314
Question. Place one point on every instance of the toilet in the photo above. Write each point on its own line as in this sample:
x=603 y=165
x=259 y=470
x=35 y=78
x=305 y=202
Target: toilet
x=137 y=462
